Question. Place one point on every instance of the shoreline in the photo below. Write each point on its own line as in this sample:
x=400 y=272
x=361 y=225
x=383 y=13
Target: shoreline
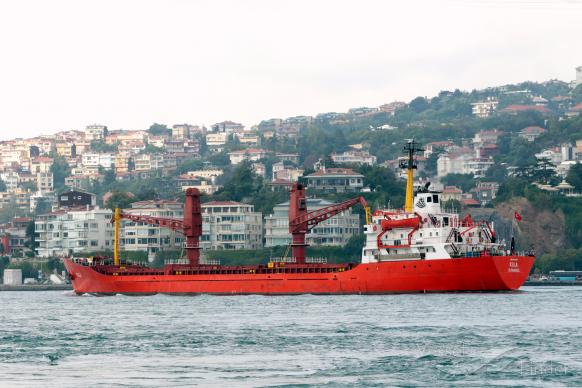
x=36 y=287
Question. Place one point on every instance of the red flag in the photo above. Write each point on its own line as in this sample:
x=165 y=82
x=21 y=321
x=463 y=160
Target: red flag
x=517 y=216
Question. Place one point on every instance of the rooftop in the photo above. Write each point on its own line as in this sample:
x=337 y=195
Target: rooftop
x=336 y=171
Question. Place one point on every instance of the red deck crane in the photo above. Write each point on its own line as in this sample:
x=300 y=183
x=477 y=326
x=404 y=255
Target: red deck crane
x=190 y=226
x=302 y=221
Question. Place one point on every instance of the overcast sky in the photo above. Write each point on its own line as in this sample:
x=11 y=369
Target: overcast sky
x=127 y=64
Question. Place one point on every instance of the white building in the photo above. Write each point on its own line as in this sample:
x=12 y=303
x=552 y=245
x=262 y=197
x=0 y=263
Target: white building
x=485 y=108
x=231 y=225
x=65 y=232
x=354 y=157
x=93 y=161
x=95 y=132
x=216 y=141
x=578 y=75
x=336 y=180
x=251 y=154
x=335 y=231
x=139 y=236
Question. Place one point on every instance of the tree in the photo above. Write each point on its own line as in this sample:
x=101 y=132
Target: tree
x=101 y=146
x=2 y=186
x=119 y=199
x=243 y=183
x=419 y=104
x=159 y=129
x=577 y=94
x=575 y=176
x=464 y=181
x=60 y=169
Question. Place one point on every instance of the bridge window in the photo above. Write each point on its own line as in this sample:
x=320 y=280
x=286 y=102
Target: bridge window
x=435 y=198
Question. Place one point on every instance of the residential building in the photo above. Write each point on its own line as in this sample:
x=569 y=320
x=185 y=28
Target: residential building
x=531 y=133
x=95 y=132
x=293 y=158
x=336 y=180
x=210 y=173
x=75 y=199
x=44 y=181
x=354 y=157
x=260 y=169
x=139 y=236
x=335 y=231
x=515 y=109
x=14 y=236
x=485 y=192
x=231 y=225
x=451 y=193
x=11 y=179
x=250 y=154
x=269 y=125
x=485 y=108
x=66 y=149
x=93 y=162
x=228 y=127
x=454 y=162
x=204 y=185
x=392 y=107
x=435 y=146
x=216 y=141
x=248 y=138
x=65 y=232
x=40 y=164
x=19 y=199
x=123 y=163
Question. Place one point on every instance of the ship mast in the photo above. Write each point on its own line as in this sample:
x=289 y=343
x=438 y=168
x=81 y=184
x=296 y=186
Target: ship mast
x=410 y=149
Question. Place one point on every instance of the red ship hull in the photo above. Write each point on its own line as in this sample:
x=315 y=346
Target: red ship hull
x=486 y=273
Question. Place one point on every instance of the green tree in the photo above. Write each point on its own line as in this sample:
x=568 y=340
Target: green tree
x=119 y=199
x=159 y=129
x=60 y=169
x=243 y=183
x=575 y=177
x=2 y=186
x=464 y=181
x=419 y=104
x=577 y=94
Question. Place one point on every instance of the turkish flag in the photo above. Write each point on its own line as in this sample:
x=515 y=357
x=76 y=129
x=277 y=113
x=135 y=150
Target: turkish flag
x=517 y=216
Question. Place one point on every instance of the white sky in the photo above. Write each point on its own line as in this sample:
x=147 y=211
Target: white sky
x=127 y=64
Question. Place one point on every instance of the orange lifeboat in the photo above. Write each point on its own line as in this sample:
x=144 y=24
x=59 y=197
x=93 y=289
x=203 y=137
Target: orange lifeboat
x=406 y=223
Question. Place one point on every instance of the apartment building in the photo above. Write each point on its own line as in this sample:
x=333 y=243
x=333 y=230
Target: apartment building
x=139 y=236
x=95 y=132
x=251 y=154
x=335 y=231
x=44 y=181
x=354 y=157
x=336 y=180
x=92 y=162
x=65 y=232
x=231 y=225
x=483 y=109
x=216 y=141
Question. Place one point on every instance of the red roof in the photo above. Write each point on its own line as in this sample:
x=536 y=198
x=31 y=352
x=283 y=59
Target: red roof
x=577 y=108
x=525 y=108
x=470 y=202
x=533 y=130
x=452 y=190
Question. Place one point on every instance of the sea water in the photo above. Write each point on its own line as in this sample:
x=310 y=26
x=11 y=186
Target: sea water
x=527 y=338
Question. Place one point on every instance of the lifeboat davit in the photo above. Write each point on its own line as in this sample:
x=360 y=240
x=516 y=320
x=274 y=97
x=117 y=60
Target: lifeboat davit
x=405 y=223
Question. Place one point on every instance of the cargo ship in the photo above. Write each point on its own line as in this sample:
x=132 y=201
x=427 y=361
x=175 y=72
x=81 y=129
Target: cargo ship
x=421 y=248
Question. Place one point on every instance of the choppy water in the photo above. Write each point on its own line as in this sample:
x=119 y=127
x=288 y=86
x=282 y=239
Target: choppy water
x=530 y=338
